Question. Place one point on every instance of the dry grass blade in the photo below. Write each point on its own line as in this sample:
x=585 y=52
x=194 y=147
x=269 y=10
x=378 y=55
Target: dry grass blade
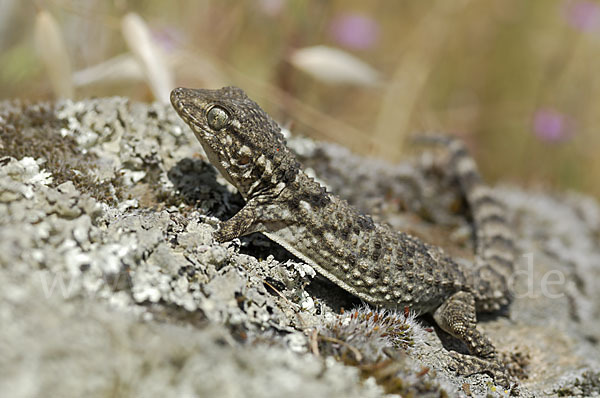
x=120 y=69
x=410 y=77
x=334 y=66
x=7 y=18
x=53 y=52
x=357 y=355
x=138 y=39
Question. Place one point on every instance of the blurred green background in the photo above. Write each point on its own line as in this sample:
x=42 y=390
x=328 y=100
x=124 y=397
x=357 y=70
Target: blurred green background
x=517 y=80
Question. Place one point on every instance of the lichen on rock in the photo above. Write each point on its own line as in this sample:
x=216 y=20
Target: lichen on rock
x=107 y=256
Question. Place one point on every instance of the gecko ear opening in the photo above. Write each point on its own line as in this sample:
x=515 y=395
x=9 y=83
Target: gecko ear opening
x=217 y=117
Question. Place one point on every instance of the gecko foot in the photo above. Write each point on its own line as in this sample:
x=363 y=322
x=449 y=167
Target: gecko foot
x=466 y=365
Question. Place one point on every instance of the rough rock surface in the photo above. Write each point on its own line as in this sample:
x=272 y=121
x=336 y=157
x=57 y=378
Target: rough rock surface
x=113 y=286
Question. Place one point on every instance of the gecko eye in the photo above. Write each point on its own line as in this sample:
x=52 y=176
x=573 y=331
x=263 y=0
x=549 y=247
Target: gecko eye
x=217 y=117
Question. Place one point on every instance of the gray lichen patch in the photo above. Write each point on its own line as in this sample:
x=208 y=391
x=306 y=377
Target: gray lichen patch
x=37 y=131
x=107 y=257
x=56 y=347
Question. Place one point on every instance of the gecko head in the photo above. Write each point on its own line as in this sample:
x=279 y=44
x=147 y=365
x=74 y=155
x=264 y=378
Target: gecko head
x=239 y=138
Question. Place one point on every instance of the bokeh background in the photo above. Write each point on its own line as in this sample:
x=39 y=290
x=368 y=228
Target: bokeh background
x=518 y=80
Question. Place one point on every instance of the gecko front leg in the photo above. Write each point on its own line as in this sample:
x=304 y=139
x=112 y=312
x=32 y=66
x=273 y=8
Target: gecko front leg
x=259 y=214
x=244 y=222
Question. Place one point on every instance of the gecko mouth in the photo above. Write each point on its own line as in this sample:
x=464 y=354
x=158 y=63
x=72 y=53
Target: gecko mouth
x=177 y=98
x=180 y=99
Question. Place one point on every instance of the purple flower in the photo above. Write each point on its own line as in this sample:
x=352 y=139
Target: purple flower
x=167 y=38
x=354 y=31
x=583 y=15
x=549 y=125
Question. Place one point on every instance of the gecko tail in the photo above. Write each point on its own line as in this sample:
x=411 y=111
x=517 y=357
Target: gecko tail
x=494 y=243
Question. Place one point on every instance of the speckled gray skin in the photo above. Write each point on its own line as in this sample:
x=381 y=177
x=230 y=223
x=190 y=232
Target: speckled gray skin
x=381 y=266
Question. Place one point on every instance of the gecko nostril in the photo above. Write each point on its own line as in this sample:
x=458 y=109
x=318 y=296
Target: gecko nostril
x=175 y=95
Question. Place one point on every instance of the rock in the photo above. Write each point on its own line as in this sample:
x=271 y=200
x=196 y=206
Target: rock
x=113 y=285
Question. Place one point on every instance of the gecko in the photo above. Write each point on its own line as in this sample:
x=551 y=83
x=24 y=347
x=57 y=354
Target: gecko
x=383 y=267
